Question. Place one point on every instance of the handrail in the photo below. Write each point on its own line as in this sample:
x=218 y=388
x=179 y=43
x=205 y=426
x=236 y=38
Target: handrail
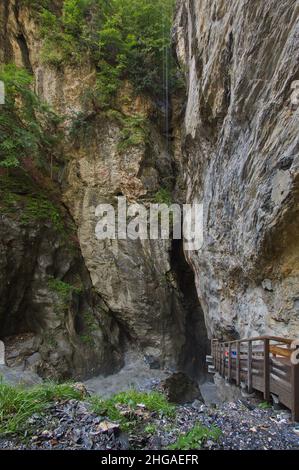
x=267 y=368
x=258 y=338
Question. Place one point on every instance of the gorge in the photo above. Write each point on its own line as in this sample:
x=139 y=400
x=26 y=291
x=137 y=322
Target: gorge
x=224 y=135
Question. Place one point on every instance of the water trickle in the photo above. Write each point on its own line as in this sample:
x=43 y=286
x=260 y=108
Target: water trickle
x=166 y=81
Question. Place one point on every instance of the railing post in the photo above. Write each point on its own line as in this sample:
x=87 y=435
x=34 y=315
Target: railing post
x=229 y=362
x=249 y=367
x=295 y=391
x=267 y=369
x=223 y=359
x=238 y=364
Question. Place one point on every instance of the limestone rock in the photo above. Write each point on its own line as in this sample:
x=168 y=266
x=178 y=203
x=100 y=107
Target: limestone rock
x=240 y=159
x=179 y=388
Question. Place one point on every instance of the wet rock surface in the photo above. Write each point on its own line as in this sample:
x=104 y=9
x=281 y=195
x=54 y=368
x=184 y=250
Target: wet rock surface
x=72 y=425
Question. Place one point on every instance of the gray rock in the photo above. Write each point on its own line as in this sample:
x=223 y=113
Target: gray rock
x=179 y=388
x=239 y=131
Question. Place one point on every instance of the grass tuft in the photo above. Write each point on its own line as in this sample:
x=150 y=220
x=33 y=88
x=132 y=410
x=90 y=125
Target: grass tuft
x=111 y=407
x=18 y=404
x=195 y=438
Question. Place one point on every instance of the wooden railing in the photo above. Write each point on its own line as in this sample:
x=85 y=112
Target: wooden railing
x=264 y=364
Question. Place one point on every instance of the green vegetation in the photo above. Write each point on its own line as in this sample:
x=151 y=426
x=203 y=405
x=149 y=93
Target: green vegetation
x=17 y=404
x=125 y=39
x=163 y=196
x=150 y=428
x=154 y=401
x=195 y=438
x=89 y=325
x=19 y=194
x=28 y=128
x=134 y=132
x=39 y=208
x=265 y=405
x=64 y=289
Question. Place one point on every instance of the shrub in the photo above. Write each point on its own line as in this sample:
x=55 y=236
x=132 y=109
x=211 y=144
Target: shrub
x=124 y=39
x=28 y=128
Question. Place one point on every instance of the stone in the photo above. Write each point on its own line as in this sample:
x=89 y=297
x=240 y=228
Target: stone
x=135 y=286
x=239 y=128
x=32 y=362
x=179 y=388
x=2 y=353
x=267 y=285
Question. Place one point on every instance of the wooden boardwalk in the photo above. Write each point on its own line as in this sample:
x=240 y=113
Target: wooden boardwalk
x=264 y=364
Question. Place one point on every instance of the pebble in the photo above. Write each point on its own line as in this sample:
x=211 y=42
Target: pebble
x=71 y=425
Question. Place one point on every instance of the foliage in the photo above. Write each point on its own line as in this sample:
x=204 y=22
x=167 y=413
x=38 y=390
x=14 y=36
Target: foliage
x=154 y=401
x=19 y=192
x=195 y=438
x=150 y=428
x=134 y=132
x=163 y=196
x=64 y=289
x=17 y=404
x=264 y=405
x=125 y=39
x=28 y=128
x=39 y=208
x=89 y=325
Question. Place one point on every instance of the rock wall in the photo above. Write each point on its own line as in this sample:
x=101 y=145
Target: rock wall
x=240 y=159
x=136 y=281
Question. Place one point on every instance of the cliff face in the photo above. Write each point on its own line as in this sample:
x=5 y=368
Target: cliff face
x=144 y=300
x=240 y=159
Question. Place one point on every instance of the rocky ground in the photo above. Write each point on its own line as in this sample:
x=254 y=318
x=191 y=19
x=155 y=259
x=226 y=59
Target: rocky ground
x=71 y=425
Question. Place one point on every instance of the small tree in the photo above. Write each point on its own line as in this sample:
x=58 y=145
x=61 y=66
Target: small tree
x=27 y=126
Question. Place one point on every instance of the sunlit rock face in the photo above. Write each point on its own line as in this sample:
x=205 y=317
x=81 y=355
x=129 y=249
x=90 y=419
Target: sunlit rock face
x=240 y=159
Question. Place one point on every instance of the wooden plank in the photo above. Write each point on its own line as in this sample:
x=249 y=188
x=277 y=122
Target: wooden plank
x=295 y=392
x=249 y=368
x=278 y=351
x=267 y=369
x=229 y=362
x=238 y=377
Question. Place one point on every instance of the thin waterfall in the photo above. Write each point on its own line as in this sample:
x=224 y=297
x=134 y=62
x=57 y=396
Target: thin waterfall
x=166 y=80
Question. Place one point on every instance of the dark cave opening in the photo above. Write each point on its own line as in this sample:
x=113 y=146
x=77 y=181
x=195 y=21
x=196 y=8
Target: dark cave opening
x=193 y=355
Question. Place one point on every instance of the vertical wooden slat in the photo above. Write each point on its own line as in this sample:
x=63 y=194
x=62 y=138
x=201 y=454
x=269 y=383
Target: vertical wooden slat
x=238 y=365
x=249 y=367
x=229 y=362
x=222 y=359
x=267 y=369
x=295 y=391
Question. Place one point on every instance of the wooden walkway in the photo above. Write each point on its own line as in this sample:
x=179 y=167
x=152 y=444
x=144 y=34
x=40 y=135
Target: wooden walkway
x=262 y=364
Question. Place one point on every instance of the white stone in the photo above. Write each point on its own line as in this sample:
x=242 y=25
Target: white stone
x=2 y=353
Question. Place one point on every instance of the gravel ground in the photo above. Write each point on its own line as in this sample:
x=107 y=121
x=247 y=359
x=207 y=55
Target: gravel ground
x=72 y=426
